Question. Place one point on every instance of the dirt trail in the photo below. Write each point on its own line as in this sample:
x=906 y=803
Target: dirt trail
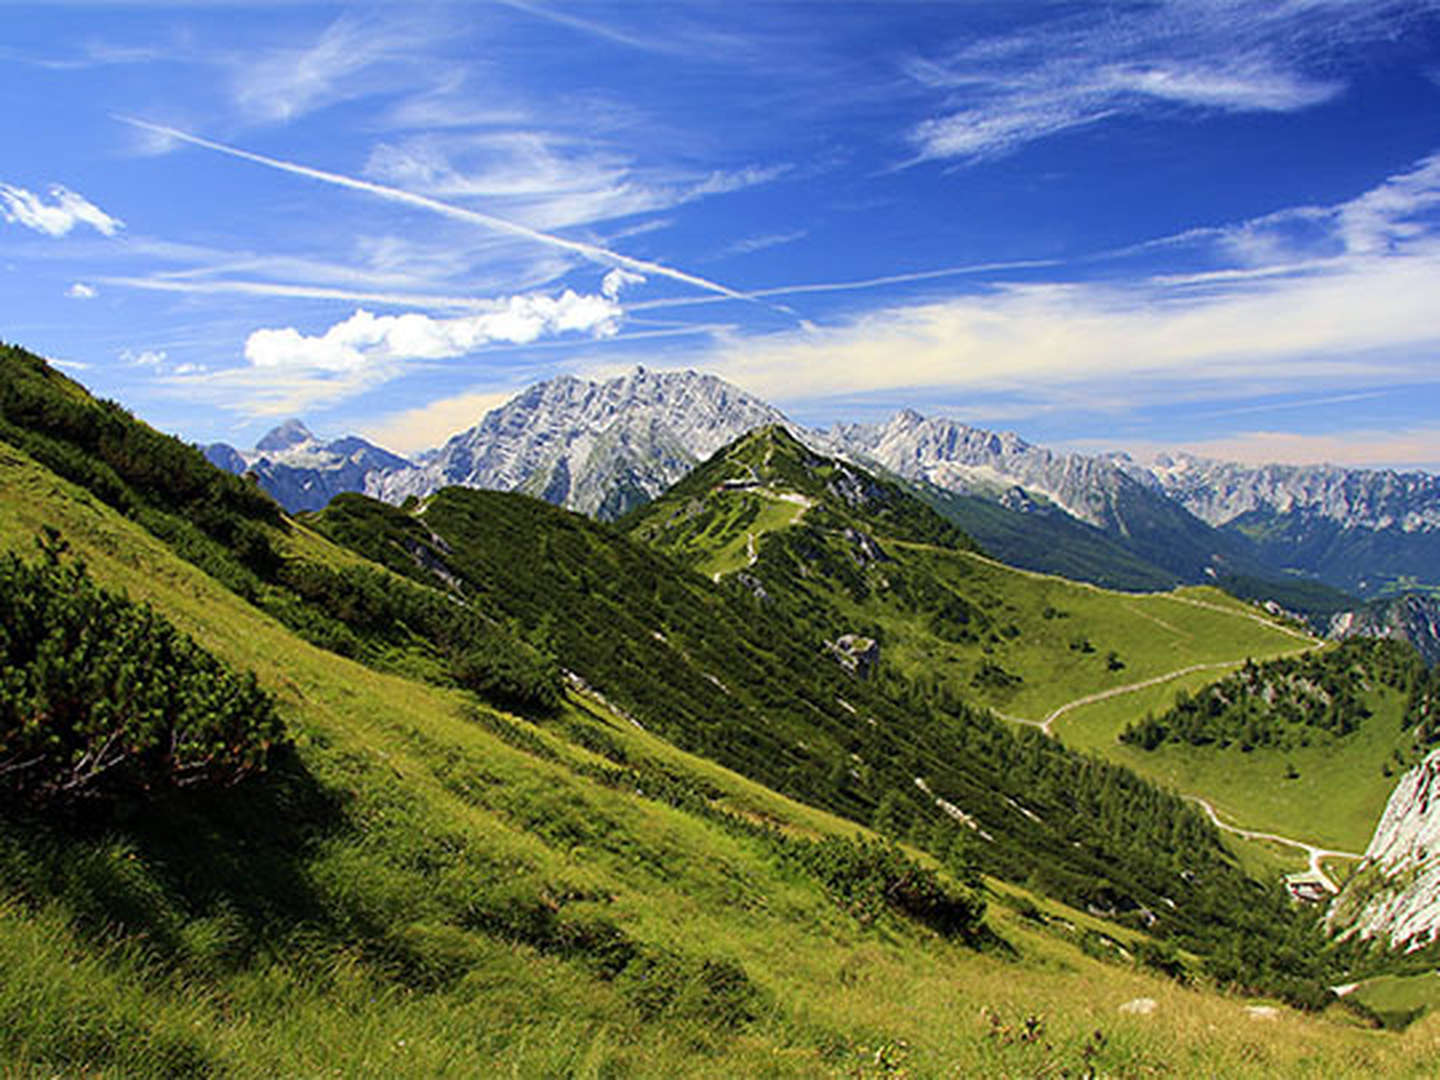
x=1315 y=854
x=1047 y=725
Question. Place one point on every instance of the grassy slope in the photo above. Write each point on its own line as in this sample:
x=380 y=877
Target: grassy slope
x=441 y=825
x=1152 y=634
x=1335 y=802
x=1023 y=621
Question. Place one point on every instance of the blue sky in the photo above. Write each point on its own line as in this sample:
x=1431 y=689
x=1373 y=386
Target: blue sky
x=1200 y=223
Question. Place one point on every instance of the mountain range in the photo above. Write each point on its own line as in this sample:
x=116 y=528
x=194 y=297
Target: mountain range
x=603 y=448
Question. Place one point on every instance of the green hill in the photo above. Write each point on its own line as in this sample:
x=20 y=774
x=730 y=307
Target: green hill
x=868 y=558
x=423 y=883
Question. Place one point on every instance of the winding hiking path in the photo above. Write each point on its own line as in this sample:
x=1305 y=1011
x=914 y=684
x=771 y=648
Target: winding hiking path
x=1315 y=854
x=1047 y=725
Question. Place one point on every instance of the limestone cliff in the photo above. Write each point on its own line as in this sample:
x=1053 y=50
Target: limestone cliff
x=1395 y=895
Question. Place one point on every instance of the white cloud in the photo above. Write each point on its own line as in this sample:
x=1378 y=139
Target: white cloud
x=751 y=244
x=365 y=340
x=550 y=180
x=151 y=358
x=353 y=57
x=488 y=221
x=56 y=218
x=1364 y=318
x=81 y=291
x=617 y=279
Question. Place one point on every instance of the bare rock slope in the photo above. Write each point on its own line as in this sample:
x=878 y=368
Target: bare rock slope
x=1395 y=895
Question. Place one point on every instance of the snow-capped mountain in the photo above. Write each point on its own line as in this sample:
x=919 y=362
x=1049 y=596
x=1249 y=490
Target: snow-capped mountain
x=1095 y=490
x=1221 y=491
x=603 y=447
x=301 y=472
x=597 y=447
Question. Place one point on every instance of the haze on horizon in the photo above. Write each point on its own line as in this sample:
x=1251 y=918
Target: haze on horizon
x=1183 y=224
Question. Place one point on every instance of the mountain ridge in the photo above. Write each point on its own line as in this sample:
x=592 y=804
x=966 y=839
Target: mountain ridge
x=604 y=447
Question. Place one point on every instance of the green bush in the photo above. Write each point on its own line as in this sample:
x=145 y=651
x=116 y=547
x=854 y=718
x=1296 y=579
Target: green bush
x=103 y=698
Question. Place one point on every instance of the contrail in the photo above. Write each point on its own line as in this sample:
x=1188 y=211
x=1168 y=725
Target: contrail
x=459 y=213
x=847 y=286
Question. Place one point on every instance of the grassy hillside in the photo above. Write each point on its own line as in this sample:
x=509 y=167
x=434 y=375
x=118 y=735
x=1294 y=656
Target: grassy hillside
x=431 y=887
x=1024 y=643
x=720 y=672
x=1318 y=778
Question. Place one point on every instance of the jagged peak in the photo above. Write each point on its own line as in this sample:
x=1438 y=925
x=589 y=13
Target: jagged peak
x=291 y=433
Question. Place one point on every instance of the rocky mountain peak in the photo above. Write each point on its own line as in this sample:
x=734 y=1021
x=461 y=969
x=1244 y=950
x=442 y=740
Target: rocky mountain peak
x=286 y=436
x=599 y=447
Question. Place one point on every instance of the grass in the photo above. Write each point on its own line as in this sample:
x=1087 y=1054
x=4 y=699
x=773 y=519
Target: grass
x=404 y=898
x=1400 y=999
x=763 y=512
x=1335 y=801
x=1058 y=636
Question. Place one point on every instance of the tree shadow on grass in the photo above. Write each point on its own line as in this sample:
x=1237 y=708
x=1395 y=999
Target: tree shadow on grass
x=204 y=878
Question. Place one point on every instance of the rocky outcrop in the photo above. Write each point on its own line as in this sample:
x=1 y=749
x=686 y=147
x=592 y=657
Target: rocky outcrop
x=857 y=655
x=1412 y=618
x=1395 y=895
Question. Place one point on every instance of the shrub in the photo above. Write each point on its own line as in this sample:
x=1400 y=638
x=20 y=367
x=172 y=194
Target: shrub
x=103 y=698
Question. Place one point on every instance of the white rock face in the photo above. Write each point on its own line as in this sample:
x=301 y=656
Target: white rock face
x=596 y=447
x=1395 y=895
x=966 y=459
x=1413 y=618
x=1220 y=491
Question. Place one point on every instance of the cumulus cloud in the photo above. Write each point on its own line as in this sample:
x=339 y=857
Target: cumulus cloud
x=64 y=212
x=81 y=291
x=365 y=340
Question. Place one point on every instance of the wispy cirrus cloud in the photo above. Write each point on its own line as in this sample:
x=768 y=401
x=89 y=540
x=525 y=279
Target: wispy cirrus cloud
x=750 y=244
x=550 y=180
x=505 y=226
x=1001 y=93
x=65 y=211
x=1327 y=297
x=352 y=57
